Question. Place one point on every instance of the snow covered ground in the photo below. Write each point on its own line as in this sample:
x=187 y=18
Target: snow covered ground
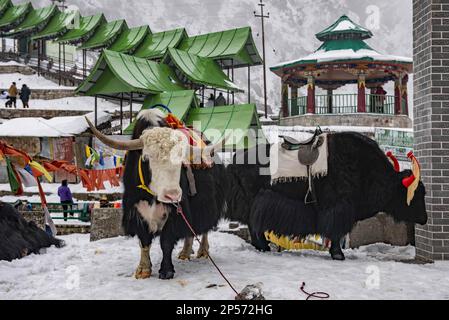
x=104 y=270
x=32 y=81
x=72 y=103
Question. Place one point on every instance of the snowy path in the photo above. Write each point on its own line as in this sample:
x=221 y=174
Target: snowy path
x=106 y=268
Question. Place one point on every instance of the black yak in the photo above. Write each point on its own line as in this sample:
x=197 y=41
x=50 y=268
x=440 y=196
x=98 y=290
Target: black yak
x=157 y=175
x=18 y=237
x=360 y=183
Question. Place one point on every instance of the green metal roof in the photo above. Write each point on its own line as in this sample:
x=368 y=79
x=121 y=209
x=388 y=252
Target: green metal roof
x=105 y=34
x=236 y=45
x=155 y=45
x=117 y=73
x=34 y=21
x=130 y=39
x=88 y=25
x=344 y=28
x=13 y=16
x=57 y=25
x=179 y=102
x=233 y=118
x=198 y=70
x=4 y=5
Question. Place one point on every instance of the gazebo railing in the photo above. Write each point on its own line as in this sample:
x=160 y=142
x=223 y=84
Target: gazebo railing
x=343 y=104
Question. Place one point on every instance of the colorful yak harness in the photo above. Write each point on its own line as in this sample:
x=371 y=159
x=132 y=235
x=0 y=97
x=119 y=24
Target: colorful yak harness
x=195 y=138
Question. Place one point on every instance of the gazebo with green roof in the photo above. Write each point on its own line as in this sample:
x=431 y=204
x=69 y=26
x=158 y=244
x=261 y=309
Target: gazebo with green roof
x=344 y=58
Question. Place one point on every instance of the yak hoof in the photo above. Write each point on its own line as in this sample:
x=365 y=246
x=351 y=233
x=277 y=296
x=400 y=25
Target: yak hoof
x=202 y=254
x=142 y=273
x=184 y=256
x=338 y=256
x=166 y=275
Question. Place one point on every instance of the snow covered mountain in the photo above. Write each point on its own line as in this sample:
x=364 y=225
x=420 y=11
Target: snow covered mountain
x=290 y=30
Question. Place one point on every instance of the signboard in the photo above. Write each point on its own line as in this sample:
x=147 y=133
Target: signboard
x=396 y=141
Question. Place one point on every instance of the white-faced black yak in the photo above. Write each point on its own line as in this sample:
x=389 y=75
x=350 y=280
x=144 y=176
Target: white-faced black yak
x=19 y=238
x=360 y=183
x=157 y=175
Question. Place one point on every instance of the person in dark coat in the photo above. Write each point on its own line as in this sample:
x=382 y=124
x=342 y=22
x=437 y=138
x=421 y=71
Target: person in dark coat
x=65 y=195
x=25 y=94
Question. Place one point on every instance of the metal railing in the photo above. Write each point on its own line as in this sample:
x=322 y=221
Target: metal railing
x=344 y=104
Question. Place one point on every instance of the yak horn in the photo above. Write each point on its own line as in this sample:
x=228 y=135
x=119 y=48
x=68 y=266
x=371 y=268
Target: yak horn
x=414 y=179
x=136 y=144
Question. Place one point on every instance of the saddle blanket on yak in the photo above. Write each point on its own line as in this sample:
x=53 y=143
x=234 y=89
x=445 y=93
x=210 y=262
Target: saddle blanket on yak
x=286 y=167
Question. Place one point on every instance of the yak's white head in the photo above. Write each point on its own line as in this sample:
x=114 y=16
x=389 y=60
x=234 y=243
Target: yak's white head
x=166 y=150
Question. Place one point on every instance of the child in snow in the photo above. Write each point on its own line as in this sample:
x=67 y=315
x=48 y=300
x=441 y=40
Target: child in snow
x=65 y=196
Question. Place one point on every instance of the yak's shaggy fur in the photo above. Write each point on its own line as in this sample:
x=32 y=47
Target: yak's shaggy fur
x=203 y=210
x=19 y=238
x=361 y=182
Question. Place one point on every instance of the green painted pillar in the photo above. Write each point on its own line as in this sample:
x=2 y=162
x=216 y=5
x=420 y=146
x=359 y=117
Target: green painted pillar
x=294 y=109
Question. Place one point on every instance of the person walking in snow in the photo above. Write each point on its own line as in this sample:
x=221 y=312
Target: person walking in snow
x=65 y=196
x=12 y=93
x=25 y=94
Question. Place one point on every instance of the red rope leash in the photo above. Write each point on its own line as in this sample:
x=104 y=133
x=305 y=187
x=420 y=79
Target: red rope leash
x=317 y=295
x=181 y=212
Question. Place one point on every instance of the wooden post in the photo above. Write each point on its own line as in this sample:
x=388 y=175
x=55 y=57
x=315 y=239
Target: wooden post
x=121 y=114
x=330 y=101
x=397 y=96
x=249 y=84
x=131 y=107
x=59 y=64
x=284 y=100
x=294 y=110
x=38 y=57
x=405 y=110
x=361 y=97
x=311 y=106
x=96 y=111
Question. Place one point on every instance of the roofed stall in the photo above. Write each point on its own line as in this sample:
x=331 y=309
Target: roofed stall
x=179 y=103
x=5 y=5
x=126 y=77
x=155 y=45
x=198 y=72
x=105 y=35
x=14 y=15
x=232 y=48
x=34 y=22
x=130 y=39
x=59 y=24
x=87 y=27
x=231 y=122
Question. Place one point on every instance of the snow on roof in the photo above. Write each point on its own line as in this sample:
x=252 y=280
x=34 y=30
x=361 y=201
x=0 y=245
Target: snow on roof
x=52 y=128
x=321 y=56
x=345 y=25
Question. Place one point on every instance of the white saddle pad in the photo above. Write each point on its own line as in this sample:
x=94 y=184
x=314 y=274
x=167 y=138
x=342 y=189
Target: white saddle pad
x=285 y=165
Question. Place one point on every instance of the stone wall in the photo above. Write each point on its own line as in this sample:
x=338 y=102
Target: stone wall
x=381 y=229
x=25 y=70
x=431 y=110
x=35 y=113
x=354 y=120
x=106 y=223
x=38 y=217
x=47 y=94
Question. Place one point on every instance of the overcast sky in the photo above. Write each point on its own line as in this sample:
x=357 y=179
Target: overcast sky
x=289 y=31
